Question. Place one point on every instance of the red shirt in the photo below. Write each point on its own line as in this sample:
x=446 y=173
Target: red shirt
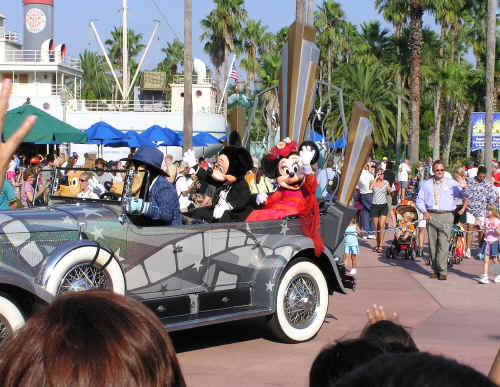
x=496 y=176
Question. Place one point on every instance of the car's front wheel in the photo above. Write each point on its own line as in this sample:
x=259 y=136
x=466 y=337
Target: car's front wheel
x=11 y=317
x=301 y=302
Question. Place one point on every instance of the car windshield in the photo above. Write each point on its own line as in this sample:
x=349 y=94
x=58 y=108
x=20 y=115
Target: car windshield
x=84 y=183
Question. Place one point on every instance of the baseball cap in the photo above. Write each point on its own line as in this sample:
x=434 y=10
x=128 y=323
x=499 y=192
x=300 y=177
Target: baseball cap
x=34 y=161
x=75 y=155
x=384 y=158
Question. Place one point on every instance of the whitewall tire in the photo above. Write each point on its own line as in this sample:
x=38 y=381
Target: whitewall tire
x=301 y=302
x=11 y=317
x=75 y=271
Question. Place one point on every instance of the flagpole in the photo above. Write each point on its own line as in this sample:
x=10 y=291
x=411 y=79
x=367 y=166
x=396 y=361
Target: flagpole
x=227 y=82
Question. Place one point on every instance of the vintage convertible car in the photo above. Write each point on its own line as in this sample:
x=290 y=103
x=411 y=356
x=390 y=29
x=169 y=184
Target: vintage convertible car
x=189 y=275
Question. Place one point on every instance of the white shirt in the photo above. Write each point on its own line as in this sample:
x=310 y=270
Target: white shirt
x=364 y=182
x=12 y=166
x=404 y=169
x=87 y=195
x=181 y=186
x=472 y=172
x=383 y=165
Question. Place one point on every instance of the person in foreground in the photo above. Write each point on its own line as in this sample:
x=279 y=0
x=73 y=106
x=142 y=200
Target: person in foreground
x=91 y=339
x=8 y=147
x=436 y=201
x=414 y=369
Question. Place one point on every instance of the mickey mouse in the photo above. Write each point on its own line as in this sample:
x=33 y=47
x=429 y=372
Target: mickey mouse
x=232 y=199
x=296 y=193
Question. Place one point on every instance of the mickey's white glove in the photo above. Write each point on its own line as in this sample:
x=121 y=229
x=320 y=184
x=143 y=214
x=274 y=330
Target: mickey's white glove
x=306 y=155
x=261 y=198
x=189 y=158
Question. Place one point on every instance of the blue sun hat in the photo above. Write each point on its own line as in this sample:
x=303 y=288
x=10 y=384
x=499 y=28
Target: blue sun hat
x=150 y=156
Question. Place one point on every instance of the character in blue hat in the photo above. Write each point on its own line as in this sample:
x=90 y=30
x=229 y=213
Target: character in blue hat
x=160 y=204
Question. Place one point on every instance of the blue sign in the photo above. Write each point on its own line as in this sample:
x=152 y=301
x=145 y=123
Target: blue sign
x=478 y=127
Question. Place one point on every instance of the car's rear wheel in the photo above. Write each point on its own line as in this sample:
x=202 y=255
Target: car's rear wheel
x=78 y=271
x=11 y=317
x=301 y=302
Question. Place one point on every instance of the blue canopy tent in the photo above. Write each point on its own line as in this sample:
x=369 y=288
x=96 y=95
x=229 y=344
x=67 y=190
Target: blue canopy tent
x=101 y=133
x=132 y=140
x=167 y=136
x=204 y=139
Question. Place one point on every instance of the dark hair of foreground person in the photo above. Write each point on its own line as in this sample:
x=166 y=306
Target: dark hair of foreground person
x=390 y=335
x=413 y=370
x=91 y=339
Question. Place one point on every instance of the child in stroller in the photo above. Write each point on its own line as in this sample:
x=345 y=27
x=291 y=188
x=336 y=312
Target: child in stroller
x=404 y=237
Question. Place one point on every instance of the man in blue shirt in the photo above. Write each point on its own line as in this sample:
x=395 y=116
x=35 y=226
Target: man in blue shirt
x=7 y=196
x=436 y=200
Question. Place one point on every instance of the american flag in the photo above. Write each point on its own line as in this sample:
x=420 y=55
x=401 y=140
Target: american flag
x=234 y=75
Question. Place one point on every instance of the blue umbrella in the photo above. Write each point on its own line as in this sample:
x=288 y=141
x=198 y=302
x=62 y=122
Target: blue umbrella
x=102 y=133
x=204 y=139
x=339 y=143
x=131 y=140
x=157 y=133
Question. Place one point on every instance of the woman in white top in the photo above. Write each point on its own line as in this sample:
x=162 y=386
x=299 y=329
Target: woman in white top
x=86 y=192
x=379 y=208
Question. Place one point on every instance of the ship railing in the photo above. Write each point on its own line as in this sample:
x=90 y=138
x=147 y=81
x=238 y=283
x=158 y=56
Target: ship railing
x=196 y=80
x=38 y=56
x=10 y=36
x=104 y=105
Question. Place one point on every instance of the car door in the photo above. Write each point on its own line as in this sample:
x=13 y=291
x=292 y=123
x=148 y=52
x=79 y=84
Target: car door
x=165 y=261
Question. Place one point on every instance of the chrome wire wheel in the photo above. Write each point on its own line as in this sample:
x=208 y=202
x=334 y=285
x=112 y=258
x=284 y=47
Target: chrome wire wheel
x=5 y=330
x=84 y=276
x=301 y=301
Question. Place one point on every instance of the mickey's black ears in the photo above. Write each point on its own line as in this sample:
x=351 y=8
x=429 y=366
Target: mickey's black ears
x=313 y=145
x=234 y=139
x=270 y=167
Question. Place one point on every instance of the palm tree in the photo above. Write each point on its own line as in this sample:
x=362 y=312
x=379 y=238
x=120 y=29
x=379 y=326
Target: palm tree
x=188 y=81
x=490 y=70
x=251 y=39
x=328 y=22
x=396 y=12
x=174 y=56
x=376 y=38
x=115 y=45
x=227 y=19
x=370 y=83
x=96 y=80
x=214 y=47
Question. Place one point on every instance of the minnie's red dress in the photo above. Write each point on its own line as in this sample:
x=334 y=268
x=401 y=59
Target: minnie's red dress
x=284 y=202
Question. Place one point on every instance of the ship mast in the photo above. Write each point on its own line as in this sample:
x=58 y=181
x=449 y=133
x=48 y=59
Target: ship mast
x=125 y=51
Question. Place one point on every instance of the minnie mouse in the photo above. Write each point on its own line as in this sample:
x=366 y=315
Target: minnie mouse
x=296 y=193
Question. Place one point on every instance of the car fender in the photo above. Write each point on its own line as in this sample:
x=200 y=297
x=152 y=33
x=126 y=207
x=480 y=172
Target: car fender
x=12 y=277
x=270 y=273
x=58 y=255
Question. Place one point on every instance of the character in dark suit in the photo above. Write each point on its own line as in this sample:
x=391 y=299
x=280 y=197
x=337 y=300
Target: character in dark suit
x=159 y=205
x=232 y=199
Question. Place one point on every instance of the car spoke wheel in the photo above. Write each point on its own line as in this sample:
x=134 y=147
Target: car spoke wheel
x=301 y=302
x=84 y=276
x=11 y=317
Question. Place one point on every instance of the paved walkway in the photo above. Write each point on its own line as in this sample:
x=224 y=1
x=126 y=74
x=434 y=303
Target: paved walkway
x=458 y=318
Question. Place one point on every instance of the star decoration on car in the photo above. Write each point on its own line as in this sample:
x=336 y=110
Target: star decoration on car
x=269 y=286
x=197 y=265
x=91 y=211
x=97 y=233
x=284 y=227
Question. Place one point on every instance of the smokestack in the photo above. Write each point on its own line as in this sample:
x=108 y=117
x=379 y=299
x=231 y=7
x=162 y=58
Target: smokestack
x=38 y=23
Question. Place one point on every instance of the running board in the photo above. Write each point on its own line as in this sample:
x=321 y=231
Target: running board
x=209 y=318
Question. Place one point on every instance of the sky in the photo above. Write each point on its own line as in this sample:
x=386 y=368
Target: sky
x=72 y=19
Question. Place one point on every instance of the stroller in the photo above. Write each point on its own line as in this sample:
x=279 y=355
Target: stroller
x=404 y=238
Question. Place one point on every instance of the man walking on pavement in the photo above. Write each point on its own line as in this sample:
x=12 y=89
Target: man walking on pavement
x=436 y=200
x=366 y=197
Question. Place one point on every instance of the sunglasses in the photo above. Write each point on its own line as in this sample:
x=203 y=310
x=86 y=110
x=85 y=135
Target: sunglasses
x=439 y=170
x=83 y=180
